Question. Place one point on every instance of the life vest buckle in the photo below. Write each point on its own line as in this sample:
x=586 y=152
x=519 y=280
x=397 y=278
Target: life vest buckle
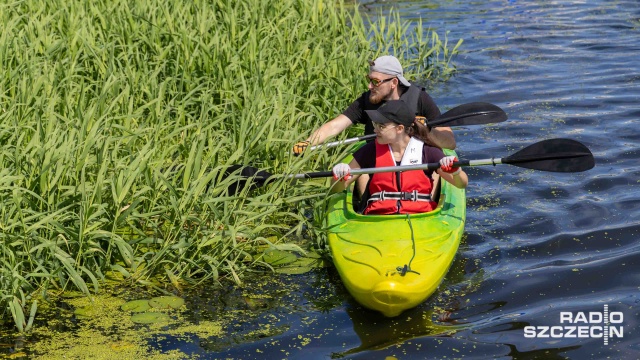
x=409 y=195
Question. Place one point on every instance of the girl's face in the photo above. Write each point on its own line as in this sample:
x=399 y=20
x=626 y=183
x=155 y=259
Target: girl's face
x=387 y=132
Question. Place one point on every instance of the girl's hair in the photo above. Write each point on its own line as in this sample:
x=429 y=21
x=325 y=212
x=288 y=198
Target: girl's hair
x=419 y=131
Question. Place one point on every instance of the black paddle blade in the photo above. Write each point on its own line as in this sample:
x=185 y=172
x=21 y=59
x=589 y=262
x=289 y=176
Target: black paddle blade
x=247 y=176
x=556 y=155
x=476 y=113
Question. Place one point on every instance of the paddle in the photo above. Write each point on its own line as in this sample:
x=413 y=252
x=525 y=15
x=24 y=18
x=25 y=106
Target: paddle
x=476 y=113
x=554 y=155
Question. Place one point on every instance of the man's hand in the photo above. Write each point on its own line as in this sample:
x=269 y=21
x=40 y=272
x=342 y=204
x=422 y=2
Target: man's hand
x=300 y=147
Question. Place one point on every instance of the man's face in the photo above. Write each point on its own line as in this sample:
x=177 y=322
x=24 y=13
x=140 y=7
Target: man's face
x=381 y=86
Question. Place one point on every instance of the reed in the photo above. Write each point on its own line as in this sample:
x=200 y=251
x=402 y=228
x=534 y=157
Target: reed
x=118 y=118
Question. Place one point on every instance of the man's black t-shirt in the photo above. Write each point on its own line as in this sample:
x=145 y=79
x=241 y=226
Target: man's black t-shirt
x=355 y=112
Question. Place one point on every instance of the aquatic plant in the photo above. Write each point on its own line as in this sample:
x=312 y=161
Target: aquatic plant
x=119 y=118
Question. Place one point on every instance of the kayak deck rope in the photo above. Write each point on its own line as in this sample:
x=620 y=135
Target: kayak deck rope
x=403 y=270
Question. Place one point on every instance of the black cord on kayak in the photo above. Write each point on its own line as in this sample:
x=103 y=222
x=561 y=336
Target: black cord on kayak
x=407 y=268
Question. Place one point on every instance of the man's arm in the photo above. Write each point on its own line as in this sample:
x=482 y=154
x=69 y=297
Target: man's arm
x=329 y=129
x=442 y=137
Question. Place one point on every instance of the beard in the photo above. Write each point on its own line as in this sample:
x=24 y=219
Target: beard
x=376 y=96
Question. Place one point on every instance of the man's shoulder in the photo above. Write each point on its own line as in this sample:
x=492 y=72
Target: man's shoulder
x=355 y=111
x=427 y=106
x=423 y=92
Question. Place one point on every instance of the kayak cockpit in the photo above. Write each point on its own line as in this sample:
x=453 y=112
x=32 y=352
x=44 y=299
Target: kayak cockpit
x=358 y=205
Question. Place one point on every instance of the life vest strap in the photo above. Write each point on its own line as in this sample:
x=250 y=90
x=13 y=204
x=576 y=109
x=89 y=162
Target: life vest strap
x=402 y=195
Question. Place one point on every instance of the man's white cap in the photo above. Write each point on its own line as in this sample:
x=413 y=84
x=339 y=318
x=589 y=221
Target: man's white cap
x=388 y=65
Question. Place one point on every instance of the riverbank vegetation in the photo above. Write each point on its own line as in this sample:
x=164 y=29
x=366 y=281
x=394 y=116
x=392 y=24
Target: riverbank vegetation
x=119 y=118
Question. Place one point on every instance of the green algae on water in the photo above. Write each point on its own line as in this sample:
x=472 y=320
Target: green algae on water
x=88 y=311
x=111 y=333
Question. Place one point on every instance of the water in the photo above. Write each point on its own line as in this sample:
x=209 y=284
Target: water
x=537 y=244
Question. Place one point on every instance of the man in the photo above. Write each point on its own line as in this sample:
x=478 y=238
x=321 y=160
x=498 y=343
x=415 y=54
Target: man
x=386 y=82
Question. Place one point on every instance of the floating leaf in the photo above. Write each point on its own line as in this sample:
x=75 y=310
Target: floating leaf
x=300 y=266
x=149 y=318
x=136 y=306
x=87 y=312
x=166 y=302
x=278 y=257
x=308 y=262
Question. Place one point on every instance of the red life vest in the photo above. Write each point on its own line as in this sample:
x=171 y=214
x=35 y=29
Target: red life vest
x=414 y=181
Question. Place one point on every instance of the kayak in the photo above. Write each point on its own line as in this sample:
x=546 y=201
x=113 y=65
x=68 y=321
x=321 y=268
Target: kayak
x=391 y=263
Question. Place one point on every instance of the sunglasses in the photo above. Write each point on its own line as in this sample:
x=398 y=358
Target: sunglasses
x=381 y=127
x=377 y=82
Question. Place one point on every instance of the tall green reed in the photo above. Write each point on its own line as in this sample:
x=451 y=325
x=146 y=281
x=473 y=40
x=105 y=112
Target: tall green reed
x=118 y=120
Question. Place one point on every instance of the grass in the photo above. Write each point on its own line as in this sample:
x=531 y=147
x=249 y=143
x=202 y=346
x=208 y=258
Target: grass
x=118 y=119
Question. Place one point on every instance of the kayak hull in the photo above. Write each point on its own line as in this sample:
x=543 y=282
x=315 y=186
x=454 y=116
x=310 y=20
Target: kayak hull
x=375 y=257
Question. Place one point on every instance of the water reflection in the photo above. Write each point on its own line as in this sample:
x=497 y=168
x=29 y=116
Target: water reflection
x=378 y=332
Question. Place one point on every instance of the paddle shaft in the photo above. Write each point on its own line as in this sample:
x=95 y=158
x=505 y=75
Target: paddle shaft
x=372 y=136
x=343 y=142
x=554 y=155
x=434 y=166
x=429 y=166
x=477 y=113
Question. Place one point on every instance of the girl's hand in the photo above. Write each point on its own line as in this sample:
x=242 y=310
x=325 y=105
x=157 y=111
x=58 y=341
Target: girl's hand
x=342 y=172
x=446 y=165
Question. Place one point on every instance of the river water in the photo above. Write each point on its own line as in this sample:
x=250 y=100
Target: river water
x=537 y=244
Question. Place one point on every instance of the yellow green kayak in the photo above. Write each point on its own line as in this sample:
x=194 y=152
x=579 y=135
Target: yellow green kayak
x=391 y=263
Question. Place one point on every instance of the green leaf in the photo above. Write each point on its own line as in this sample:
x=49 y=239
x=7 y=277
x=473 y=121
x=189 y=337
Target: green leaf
x=278 y=257
x=150 y=318
x=136 y=306
x=166 y=302
x=300 y=266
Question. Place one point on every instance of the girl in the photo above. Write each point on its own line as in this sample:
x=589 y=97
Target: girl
x=398 y=142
